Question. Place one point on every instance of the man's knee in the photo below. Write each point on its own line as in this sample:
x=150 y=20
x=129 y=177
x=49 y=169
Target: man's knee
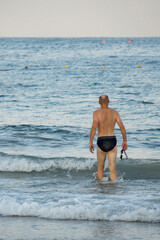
x=112 y=167
x=100 y=172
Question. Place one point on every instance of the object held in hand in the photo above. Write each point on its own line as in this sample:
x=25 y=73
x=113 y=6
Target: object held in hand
x=121 y=156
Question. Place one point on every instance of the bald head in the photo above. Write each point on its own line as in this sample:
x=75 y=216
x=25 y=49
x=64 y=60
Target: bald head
x=103 y=99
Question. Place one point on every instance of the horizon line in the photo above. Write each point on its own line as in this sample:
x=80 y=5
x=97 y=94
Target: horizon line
x=79 y=36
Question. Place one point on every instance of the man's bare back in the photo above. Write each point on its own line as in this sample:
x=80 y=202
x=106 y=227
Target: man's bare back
x=105 y=120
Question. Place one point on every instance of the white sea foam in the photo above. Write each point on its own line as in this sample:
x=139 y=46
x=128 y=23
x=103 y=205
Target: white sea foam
x=81 y=210
x=29 y=165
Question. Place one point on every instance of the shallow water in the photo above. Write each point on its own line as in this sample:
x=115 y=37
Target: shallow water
x=33 y=228
x=46 y=169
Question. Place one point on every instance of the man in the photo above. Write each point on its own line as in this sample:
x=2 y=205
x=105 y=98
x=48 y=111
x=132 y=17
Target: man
x=105 y=120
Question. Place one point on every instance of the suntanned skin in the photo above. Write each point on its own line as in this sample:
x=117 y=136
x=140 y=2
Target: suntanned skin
x=105 y=120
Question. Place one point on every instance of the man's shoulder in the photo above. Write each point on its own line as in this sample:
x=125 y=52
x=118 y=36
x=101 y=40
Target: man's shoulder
x=113 y=110
x=100 y=110
x=96 y=111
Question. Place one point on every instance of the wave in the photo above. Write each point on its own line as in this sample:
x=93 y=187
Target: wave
x=129 y=169
x=22 y=163
x=40 y=128
x=6 y=70
x=140 y=168
x=29 y=129
x=76 y=209
x=147 y=102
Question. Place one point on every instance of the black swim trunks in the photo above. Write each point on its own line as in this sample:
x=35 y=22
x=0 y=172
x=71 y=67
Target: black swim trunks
x=106 y=143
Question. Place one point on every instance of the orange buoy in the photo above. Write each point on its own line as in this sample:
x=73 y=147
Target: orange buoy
x=103 y=67
x=104 y=41
x=129 y=41
x=66 y=67
x=26 y=67
x=138 y=66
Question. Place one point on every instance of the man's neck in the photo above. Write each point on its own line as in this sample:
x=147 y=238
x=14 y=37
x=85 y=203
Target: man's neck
x=104 y=106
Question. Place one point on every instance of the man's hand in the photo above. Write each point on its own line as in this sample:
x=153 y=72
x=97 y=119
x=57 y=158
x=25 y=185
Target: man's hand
x=91 y=147
x=124 y=146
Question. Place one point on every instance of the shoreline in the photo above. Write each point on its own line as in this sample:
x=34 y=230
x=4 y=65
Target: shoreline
x=39 y=228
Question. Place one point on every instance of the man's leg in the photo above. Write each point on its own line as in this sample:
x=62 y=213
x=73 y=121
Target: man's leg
x=101 y=157
x=112 y=155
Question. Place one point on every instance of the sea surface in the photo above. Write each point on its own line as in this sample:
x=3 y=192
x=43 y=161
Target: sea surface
x=49 y=88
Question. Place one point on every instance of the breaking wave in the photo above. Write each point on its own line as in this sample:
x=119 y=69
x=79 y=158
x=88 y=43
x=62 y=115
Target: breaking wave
x=130 y=169
x=75 y=209
x=22 y=163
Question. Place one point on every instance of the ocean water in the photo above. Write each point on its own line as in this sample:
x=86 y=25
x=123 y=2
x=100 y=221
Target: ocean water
x=48 y=185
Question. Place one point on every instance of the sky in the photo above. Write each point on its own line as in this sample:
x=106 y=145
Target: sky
x=79 y=18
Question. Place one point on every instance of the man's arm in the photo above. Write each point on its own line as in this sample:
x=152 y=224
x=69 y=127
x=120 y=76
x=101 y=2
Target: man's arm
x=93 y=131
x=123 y=131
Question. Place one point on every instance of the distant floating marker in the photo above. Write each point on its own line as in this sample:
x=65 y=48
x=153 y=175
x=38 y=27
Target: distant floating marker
x=26 y=67
x=138 y=66
x=104 y=41
x=66 y=67
x=129 y=41
x=103 y=67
